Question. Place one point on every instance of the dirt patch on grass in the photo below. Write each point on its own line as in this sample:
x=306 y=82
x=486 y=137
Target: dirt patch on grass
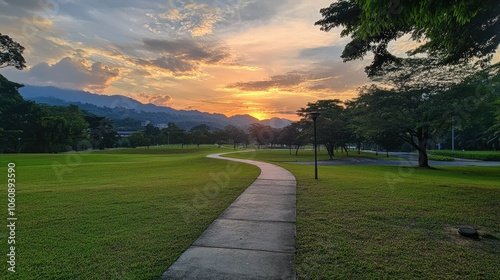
x=487 y=237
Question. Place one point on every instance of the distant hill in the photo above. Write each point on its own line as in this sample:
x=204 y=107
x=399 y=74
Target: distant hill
x=119 y=108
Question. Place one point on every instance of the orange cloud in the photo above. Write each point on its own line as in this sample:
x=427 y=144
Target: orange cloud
x=75 y=74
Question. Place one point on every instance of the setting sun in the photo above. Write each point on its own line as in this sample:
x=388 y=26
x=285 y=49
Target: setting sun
x=259 y=115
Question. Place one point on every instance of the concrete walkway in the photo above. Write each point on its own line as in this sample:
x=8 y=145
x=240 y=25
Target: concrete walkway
x=254 y=237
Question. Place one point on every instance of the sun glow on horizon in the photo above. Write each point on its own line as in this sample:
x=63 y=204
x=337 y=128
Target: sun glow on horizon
x=260 y=115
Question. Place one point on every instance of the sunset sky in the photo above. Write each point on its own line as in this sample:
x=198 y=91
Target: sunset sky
x=263 y=58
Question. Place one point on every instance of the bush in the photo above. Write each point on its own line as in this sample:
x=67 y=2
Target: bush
x=476 y=155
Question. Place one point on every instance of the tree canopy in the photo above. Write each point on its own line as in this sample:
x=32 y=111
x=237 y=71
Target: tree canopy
x=332 y=126
x=416 y=116
x=11 y=53
x=453 y=31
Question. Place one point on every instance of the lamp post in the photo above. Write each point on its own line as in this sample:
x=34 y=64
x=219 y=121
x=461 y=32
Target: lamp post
x=452 y=135
x=19 y=145
x=315 y=116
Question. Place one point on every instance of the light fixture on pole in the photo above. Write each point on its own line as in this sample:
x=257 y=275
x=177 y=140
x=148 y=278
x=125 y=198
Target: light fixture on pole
x=315 y=116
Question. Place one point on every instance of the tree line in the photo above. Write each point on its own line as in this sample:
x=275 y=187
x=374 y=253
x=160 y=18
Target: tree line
x=29 y=127
x=387 y=118
x=400 y=117
x=465 y=116
x=230 y=136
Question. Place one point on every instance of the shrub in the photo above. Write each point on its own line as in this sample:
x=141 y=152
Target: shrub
x=476 y=155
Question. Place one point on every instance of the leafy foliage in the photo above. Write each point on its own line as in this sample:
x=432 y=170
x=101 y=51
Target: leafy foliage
x=262 y=134
x=11 y=53
x=234 y=135
x=30 y=127
x=137 y=139
x=294 y=135
x=332 y=125
x=454 y=31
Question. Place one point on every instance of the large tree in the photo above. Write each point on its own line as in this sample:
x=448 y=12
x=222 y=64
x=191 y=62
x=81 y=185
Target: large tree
x=11 y=53
x=60 y=128
x=13 y=108
x=173 y=134
x=20 y=120
x=152 y=133
x=235 y=135
x=201 y=134
x=476 y=112
x=262 y=134
x=409 y=116
x=102 y=134
x=293 y=135
x=137 y=139
x=453 y=31
x=418 y=115
x=332 y=125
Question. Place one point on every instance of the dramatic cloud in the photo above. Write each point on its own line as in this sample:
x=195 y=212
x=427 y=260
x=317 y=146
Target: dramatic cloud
x=329 y=76
x=285 y=81
x=184 y=57
x=188 y=49
x=196 y=18
x=229 y=56
x=173 y=64
x=160 y=100
x=206 y=17
x=76 y=74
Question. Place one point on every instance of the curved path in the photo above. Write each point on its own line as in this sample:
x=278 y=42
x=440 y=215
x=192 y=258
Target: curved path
x=252 y=239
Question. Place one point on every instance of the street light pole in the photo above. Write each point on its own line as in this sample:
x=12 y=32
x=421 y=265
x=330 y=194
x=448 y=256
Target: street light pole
x=452 y=135
x=315 y=116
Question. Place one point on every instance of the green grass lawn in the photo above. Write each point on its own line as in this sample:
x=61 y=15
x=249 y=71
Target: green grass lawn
x=393 y=222
x=118 y=214
x=283 y=155
x=130 y=213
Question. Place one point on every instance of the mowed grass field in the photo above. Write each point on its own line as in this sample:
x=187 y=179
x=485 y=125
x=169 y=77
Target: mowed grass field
x=118 y=214
x=393 y=222
x=130 y=213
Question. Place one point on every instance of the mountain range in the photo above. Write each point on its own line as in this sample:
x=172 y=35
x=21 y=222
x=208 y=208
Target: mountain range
x=122 y=109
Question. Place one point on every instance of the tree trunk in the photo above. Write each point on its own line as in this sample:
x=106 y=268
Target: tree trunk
x=423 y=158
x=297 y=150
x=422 y=136
x=329 y=149
x=346 y=151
